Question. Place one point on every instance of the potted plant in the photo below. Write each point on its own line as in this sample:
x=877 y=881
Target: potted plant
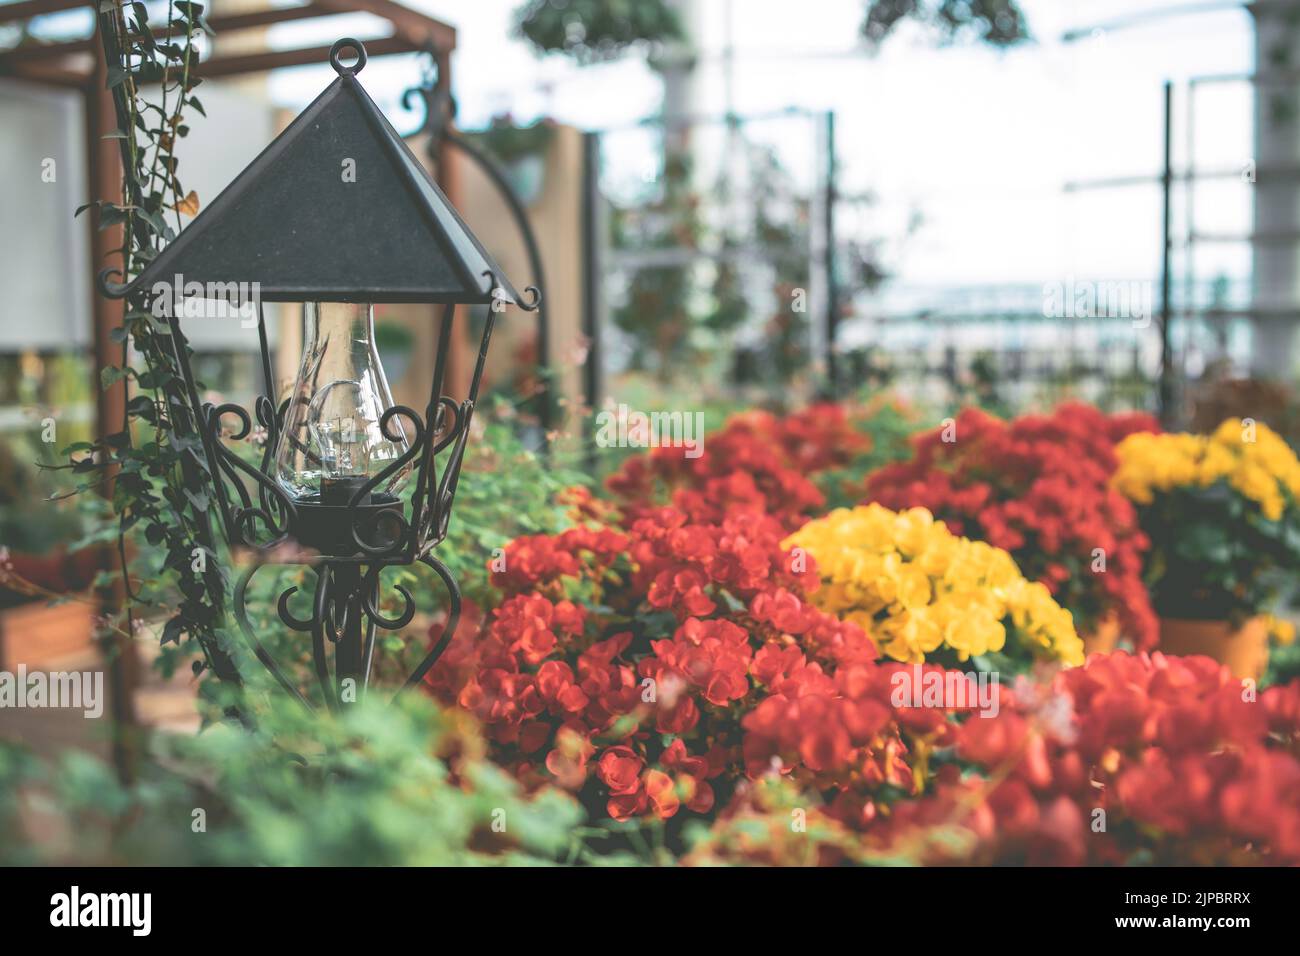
x=596 y=31
x=1039 y=487
x=1223 y=516
x=36 y=533
x=40 y=568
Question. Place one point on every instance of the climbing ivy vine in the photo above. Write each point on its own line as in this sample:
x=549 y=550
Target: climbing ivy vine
x=154 y=463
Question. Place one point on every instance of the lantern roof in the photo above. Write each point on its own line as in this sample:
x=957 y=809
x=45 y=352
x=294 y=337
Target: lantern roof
x=336 y=209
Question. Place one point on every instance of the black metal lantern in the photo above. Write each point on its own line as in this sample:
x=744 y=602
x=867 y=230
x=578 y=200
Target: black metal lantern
x=336 y=213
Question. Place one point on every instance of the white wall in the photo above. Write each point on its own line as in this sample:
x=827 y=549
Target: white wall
x=44 y=254
x=45 y=268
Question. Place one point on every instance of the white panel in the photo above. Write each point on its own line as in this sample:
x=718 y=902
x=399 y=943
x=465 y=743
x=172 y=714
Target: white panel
x=45 y=271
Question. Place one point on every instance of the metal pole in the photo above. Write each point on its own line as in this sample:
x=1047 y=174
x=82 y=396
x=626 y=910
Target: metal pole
x=832 y=296
x=1165 y=398
x=591 y=275
x=1274 y=253
x=348 y=662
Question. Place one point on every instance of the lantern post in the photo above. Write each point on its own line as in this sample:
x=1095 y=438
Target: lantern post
x=336 y=214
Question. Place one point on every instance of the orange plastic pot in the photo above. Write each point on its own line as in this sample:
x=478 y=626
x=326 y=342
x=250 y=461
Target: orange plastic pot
x=1104 y=638
x=1243 y=650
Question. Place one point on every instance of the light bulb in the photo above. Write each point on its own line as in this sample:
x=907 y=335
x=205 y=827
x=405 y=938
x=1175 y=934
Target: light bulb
x=345 y=436
x=332 y=444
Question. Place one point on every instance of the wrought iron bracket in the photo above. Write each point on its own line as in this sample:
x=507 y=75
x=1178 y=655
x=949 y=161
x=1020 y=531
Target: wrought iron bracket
x=346 y=613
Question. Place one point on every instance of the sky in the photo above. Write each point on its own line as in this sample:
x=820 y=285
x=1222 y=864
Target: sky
x=980 y=144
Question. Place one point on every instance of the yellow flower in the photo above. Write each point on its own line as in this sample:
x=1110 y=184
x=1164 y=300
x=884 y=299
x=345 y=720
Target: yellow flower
x=916 y=588
x=1248 y=456
x=1280 y=629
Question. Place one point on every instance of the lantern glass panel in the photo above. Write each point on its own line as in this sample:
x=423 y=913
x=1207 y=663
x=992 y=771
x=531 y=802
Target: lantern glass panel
x=331 y=443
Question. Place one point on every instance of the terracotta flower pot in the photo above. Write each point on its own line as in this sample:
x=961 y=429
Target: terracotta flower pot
x=1244 y=650
x=60 y=571
x=1104 y=637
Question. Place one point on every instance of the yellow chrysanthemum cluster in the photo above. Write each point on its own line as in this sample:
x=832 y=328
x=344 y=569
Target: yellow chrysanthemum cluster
x=915 y=587
x=1279 y=628
x=1249 y=456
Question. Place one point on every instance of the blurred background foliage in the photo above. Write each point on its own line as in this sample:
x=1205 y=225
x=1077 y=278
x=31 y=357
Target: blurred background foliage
x=387 y=786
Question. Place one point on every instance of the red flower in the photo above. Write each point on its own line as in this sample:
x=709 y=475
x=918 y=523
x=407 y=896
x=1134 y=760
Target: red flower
x=662 y=793
x=624 y=806
x=1039 y=487
x=758 y=464
x=619 y=769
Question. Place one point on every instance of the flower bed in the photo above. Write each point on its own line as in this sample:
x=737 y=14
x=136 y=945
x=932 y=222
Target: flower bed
x=704 y=646
x=622 y=663
x=1127 y=760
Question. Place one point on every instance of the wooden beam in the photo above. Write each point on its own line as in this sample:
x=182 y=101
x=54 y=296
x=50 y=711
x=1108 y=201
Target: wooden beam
x=220 y=25
x=413 y=31
x=265 y=18
x=412 y=24
x=49 y=73
x=46 y=51
x=41 y=72
x=11 y=12
x=105 y=171
x=277 y=59
x=417 y=28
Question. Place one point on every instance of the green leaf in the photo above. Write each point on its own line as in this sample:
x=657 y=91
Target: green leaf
x=173 y=630
x=111 y=375
x=154 y=220
x=110 y=216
